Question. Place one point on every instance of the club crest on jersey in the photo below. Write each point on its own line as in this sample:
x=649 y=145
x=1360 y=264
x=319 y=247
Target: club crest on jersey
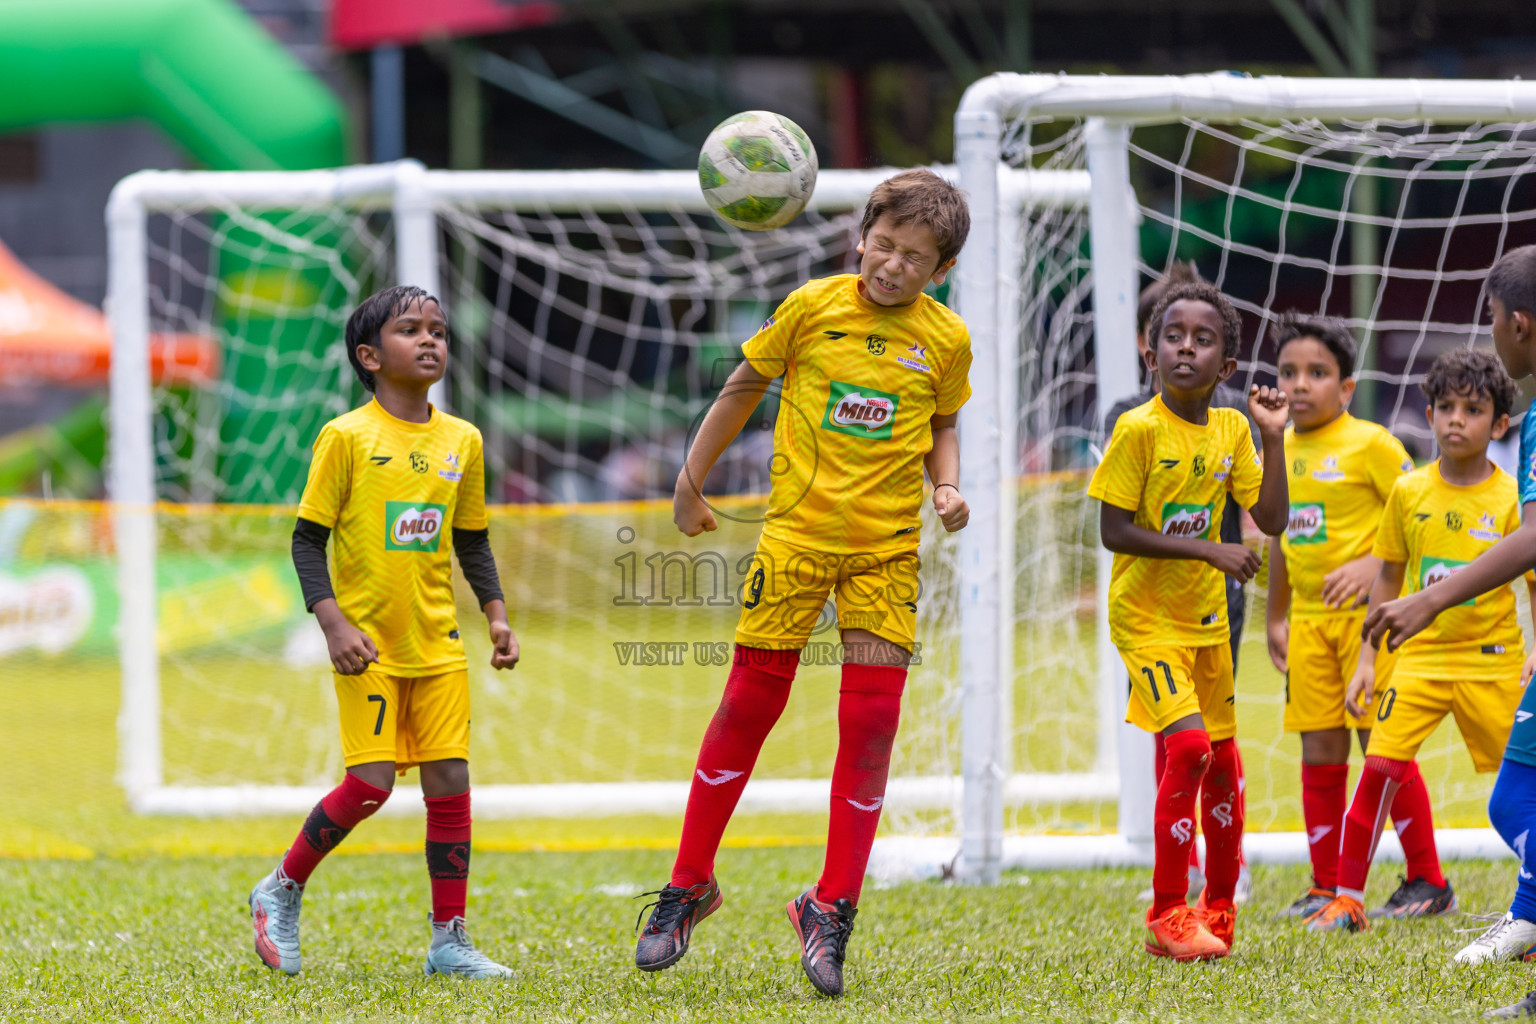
x=452 y=472
x=1433 y=570
x=1328 y=472
x=915 y=360
x=1225 y=470
x=1487 y=528
x=1186 y=520
x=860 y=411
x=413 y=525
x=1308 y=523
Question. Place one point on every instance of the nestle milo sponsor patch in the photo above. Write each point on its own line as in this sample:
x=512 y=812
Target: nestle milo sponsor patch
x=1181 y=520
x=860 y=411
x=1308 y=523
x=413 y=525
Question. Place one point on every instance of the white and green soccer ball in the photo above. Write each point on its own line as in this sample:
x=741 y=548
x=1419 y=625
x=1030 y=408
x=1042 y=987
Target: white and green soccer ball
x=757 y=170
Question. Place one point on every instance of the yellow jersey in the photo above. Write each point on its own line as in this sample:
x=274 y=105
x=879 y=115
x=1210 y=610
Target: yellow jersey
x=392 y=493
x=1340 y=477
x=1435 y=528
x=861 y=382
x=1175 y=476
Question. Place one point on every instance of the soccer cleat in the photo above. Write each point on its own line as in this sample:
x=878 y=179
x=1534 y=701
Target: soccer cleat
x=1524 y=1008
x=1311 y=903
x=1418 y=899
x=452 y=953
x=275 y=905
x=823 y=929
x=1508 y=938
x=1219 y=918
x=678 y=911
x=1181 y=935
x=1342 y=913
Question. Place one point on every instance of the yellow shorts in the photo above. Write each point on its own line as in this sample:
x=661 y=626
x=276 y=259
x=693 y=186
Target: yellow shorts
x=786 y=590
x=404 y=719
x=1170 y=682
x=1408 y=709
x=1321 y=661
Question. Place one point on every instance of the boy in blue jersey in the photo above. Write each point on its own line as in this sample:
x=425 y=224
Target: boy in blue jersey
x=1512 y=807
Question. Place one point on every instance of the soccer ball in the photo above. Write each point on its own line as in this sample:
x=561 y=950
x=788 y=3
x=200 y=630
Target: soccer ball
x=757 y=170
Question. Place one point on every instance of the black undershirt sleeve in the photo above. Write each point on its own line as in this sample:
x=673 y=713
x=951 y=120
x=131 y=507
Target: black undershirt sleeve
x=309 y=540
x=473 y=549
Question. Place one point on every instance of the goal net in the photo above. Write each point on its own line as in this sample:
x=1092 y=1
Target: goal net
x=594 y=316
x=1361 y=199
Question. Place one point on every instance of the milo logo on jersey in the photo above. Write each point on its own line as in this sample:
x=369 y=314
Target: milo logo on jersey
x=1308 y=523
x=413 y=525
x=860 y=411
x=1186 y=520
x=1433 y=570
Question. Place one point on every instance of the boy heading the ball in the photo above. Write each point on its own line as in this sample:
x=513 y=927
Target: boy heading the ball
x=1320 y=575
x=874 y=374
x=1162 y=486
x=1438 y=520
x=397 y=484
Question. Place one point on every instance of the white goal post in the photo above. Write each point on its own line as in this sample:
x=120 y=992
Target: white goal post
x=413 y=198
x=1107 y=109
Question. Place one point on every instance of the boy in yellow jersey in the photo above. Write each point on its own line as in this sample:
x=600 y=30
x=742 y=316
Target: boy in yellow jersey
x=1470 y=663
x=1163 y=483
x=874 y=375
x=396 y=482
x=1320 y=574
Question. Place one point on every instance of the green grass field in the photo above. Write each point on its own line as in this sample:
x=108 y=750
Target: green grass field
x=154 y=938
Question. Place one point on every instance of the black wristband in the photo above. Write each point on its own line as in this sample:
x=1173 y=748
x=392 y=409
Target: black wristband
x=937 y=486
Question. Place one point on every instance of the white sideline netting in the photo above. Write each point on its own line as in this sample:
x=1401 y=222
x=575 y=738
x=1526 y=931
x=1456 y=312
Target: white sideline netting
x=585 y=344
x=1390 y=225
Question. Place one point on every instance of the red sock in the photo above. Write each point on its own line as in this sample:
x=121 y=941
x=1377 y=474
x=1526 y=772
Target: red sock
x=1221 y=806
x=755 y=694
x=1173 y=818
x=448 y=847
x=868 y=711
x=337 y=813
x=1159 y=766
x=1324 y=795
x=1415 y=824
x=1242 y=797
x=1362 y=825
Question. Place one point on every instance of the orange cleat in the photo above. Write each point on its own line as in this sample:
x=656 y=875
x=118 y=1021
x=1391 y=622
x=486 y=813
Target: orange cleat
x=1219 y=918
x=1340 y=914
x=1179 y=934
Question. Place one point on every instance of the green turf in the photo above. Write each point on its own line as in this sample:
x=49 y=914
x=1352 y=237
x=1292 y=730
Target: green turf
x=159 y=939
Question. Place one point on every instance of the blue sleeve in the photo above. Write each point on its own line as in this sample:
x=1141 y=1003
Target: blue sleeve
x=1527 y=464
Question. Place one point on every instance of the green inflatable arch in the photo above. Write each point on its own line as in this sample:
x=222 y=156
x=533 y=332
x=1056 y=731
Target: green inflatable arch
x=202 y=70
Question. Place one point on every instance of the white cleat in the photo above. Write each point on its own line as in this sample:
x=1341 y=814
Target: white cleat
x=1508 y=938
x=452 y=953
x=275 y=905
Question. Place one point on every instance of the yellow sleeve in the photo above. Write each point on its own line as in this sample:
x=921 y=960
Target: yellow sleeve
x=1122 y=475
x=773 y=346
x=469 y=514
x=1388 y=461
x=1391 y=545
x=330 y=479
x=1247 y=471
x=955 y=388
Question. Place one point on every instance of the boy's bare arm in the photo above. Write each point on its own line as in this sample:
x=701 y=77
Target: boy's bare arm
x=1268 y=409
x=350 y=648
x=1120 y=534
x=1529 y=668
x=740 y=395
x=1277 y=607
x=505 y=648
x=1499 y=565
x=943 y=465
x=1362 y=687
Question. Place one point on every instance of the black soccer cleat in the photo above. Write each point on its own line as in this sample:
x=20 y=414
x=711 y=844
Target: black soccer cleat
x=678 y=911
x=1524 y=1008
x=823 y=929
x=1315 y=899
x=1417 y=899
